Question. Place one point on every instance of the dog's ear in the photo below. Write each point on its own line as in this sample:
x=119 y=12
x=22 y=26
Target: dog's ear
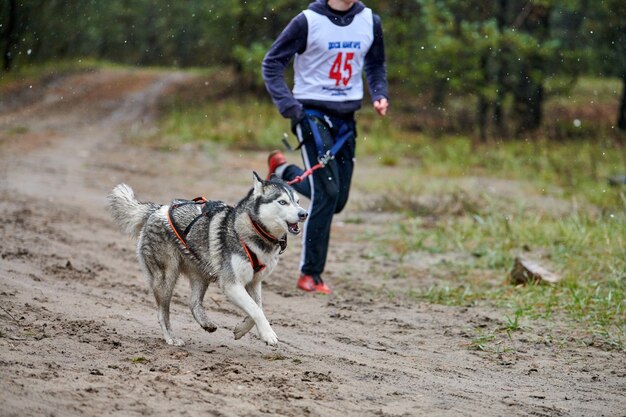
x=258 y=183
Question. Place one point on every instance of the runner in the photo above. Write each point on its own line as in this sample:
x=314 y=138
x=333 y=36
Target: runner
x=332 y=43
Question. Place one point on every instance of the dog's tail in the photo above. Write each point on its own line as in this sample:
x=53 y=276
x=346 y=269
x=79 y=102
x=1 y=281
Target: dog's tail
x=128 y=212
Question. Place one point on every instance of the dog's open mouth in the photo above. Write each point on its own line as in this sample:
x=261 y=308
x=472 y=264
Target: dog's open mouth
x=294 y=228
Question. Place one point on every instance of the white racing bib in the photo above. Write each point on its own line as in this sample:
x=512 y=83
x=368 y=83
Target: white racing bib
x=330 y=69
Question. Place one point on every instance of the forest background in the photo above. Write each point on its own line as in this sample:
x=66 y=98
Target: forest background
x=484 y=68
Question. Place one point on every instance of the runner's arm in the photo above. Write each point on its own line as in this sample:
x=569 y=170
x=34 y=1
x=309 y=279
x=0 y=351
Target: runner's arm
x=375 y=67
x=291 y=41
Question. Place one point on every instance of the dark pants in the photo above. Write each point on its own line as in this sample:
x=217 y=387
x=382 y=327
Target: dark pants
x=327 y=188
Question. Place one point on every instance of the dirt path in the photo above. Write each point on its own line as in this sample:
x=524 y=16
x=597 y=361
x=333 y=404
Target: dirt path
x=78 y=329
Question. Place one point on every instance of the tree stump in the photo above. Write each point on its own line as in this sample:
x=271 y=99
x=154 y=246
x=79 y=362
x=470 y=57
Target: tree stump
x=526 y=270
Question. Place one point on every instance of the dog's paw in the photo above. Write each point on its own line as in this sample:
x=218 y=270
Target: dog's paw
x=242 y=328
x=270 y=337
x=210 y=327
x=175 y=342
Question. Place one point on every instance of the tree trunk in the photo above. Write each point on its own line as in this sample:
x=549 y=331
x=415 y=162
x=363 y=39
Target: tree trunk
x=621 y=119
x=483 y=108
x=10 y=36
x=528 y=104
x=498 y=111
x=483 y=103
x=529 y=93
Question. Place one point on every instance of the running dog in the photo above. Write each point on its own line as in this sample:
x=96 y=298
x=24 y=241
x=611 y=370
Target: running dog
x=210 y=241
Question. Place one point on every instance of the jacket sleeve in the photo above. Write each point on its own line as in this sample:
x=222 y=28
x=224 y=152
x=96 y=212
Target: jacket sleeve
x=375 y=66
x=292 y=40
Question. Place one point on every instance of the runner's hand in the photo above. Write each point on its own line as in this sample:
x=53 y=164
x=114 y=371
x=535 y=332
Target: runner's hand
x=296 y=121
x=381 y=106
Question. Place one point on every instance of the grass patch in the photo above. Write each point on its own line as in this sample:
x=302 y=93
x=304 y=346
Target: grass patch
x=241 y=125
x=587 y=249
x=481 y=342
x=579 y=169
x=588 y=90
x=41 y=72
x=17 y=130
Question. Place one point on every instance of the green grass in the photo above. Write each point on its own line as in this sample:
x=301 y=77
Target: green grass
x=587 y=91
x=578 y=168
x=39 y=72
x=586 y=246
x=587 y=250
x=249 y=124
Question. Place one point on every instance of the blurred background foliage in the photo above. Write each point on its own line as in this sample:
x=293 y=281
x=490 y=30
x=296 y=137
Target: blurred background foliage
x=504 y=58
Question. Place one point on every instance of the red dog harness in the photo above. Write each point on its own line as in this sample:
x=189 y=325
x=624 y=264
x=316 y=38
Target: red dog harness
x=181 y=235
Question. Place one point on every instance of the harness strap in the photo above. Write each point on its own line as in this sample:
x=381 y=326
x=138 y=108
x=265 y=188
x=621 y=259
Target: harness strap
x=182 y=235
x=252 y=257
x=268 y=236
x=175 y=229
x=342 y=136
x=254 y=260
x=323 y=156
x=188 y=228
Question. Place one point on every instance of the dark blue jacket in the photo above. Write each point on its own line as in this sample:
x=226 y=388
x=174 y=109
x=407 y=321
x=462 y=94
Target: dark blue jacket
x=293 y=40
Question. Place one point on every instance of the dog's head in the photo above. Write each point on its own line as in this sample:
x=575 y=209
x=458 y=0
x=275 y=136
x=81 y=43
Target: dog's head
x=277 y=206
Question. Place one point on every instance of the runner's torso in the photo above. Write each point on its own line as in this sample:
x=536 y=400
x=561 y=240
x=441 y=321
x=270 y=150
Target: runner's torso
x=331 y=66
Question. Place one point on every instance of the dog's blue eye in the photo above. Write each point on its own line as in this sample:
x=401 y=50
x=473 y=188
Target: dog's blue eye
x=282 y=202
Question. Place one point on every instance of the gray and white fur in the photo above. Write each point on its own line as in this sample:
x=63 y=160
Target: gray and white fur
x=215 y=252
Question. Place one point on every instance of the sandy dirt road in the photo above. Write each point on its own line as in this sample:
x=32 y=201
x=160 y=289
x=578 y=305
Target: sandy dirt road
x=78 y=328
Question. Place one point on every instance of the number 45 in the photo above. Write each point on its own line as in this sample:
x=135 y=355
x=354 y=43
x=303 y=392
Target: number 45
x=340 y=67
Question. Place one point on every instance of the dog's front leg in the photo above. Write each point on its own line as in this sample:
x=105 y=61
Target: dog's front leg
x=254 y=290
x=240 y=297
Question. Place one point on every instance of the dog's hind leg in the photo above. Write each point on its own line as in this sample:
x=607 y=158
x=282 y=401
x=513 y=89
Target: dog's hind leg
x=254 y=290
x=199 y=286
x=240 y=297
x=162 y=283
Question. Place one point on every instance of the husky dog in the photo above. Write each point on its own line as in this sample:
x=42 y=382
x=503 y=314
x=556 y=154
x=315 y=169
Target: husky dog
x=210 y=241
